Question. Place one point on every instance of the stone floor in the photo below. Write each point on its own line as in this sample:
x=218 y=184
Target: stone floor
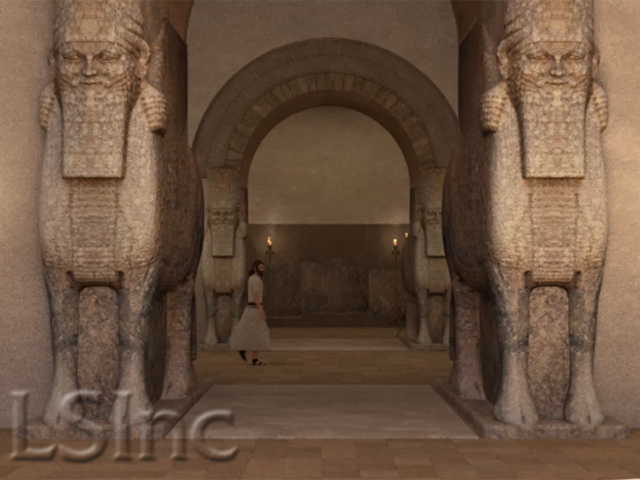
x=381 y=458
x=335 y=344
x=331 y=411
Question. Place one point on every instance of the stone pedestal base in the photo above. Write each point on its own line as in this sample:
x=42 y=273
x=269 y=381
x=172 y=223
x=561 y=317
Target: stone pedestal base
x=479 y=415
x=37 y=429
x=413 y=345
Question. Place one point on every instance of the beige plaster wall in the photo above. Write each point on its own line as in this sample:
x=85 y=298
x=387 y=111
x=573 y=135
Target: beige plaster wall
x=25 y=340
x=224 y=36
x=329 y=165
x=617 y=367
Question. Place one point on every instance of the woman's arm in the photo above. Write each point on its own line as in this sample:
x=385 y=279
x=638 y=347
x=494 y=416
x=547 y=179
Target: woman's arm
x=256 y=299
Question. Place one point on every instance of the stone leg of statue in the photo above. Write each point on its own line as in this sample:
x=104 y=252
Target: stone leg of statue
x=424 y=336
x=63 y=298
x=136 y=295
x=179 y=376
x=237 y=307
x=514 y=405
x=211 y=304
x=446 y=317
x=582 y=407
x=411 y=321
x=466 y=374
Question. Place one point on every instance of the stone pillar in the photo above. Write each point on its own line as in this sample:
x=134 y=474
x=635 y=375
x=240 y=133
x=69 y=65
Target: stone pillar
x=25 y=344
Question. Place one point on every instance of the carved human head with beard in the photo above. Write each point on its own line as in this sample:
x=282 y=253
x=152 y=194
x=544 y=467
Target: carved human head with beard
x=100 y=59
x=226 y=213
x=548 y=60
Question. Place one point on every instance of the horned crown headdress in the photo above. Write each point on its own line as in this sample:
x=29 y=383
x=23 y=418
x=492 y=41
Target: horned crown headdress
x=548 y=20
x=114 y=21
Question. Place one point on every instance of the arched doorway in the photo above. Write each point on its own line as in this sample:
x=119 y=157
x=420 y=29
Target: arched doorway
x=326 y=72
x=330 y=187
x=334 y=72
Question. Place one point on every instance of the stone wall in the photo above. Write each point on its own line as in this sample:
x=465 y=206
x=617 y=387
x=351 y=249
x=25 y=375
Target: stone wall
x=223 y=37
x=26 y=361
x=330 y=270
x=329 y=165
x=617 y=365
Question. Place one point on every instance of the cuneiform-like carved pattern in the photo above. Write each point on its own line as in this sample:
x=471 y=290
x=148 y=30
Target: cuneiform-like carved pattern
x=93 y=230
x=554 y=213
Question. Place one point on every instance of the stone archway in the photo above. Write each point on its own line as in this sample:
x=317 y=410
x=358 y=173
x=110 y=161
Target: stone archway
x=324 y=72
x=346 y=73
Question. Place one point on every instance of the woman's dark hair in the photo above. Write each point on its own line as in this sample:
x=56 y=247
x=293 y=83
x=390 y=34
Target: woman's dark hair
x=254 y=267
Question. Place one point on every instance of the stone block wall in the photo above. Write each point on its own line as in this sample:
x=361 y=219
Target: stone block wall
x=332 y=270
x=329 y=275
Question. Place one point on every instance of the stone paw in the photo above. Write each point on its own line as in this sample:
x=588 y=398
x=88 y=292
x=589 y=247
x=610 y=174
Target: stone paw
x=583 y=410
x=466 y=381
x=516 y=408
x=424 y=339
x=58 y=410
x=179 y=387
x=210 y=338
x=140 y=410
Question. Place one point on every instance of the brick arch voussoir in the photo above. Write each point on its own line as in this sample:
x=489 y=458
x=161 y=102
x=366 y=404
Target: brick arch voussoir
x=355 y=85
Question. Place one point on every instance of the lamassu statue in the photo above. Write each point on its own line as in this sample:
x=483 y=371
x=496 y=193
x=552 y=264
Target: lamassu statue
x=532 y=211
x=424 y=268
x=228 y=253
x=120 y=205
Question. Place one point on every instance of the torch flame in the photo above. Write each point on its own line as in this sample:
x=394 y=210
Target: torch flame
x=269 y=241
x=395 y=242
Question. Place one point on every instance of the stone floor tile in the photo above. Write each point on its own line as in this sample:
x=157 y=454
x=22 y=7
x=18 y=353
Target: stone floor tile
x=264 y=468
x=486 y=461
x=412 y=461
x=377 y=463
x=344 y=450
x=304 y=452
x=605 y=468
x=185 y=474
x=379 y=474
x=227 y=471
x=302 y=468
x=629 y=465
x=344 y=468
x=417 y=471
x=6 y=470
x=532 y=472
x=520 y=459
x=453 y=470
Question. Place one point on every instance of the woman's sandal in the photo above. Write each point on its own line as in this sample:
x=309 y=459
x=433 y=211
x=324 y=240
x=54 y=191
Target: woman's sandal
x=243 y=354
x=258 y=362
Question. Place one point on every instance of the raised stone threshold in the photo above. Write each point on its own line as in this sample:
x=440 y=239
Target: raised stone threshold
x=479 y=416
x=37 y=429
